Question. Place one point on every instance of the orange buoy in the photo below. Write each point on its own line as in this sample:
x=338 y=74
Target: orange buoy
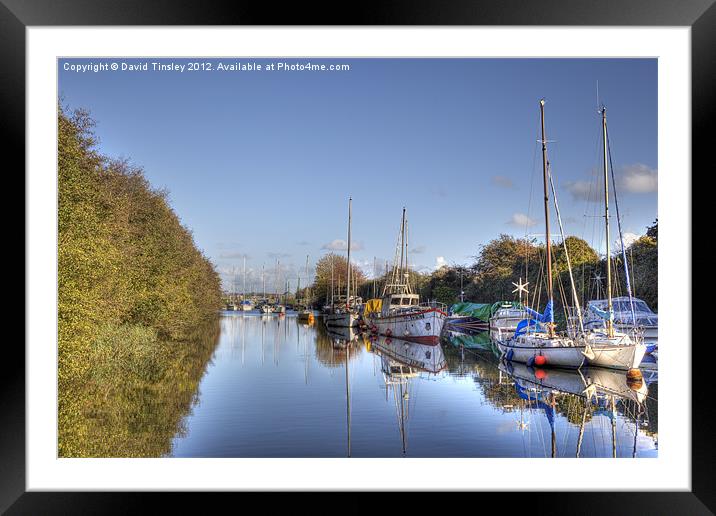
x=540 y=360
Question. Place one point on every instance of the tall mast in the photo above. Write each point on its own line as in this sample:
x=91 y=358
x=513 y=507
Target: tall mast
x=402 y=243
x=243 y=294
x=263 y=280
x=550 y=327
x=348 y=286
x=375 y=273
x=610 y=328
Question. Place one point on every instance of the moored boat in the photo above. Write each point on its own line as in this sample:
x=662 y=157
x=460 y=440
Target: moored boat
x=401 y=313
x=535 y=340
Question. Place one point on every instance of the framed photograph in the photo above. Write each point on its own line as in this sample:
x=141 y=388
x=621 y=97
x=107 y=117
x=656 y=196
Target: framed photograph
x=269 y=252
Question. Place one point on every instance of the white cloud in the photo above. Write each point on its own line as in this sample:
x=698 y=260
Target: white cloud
x=342 y=245
x=638 y=178
x=440 y=261
x=503 y=182
x=521 y=220
x=629 y=239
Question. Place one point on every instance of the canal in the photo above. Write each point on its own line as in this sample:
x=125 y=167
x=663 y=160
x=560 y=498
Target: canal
x=278 y=388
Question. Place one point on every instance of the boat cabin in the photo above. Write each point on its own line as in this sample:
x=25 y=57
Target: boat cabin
x=393 y=302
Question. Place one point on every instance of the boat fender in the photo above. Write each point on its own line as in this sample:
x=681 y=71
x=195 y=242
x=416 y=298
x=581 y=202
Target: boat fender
x=530 y=361
x=509 y=355
x=540 y=360
x=389 y=332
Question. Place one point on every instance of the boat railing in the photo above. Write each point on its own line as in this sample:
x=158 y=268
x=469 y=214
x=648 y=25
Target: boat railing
x=434 y=304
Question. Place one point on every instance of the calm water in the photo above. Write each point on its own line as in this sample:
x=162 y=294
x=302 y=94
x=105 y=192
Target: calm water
x=279 y=388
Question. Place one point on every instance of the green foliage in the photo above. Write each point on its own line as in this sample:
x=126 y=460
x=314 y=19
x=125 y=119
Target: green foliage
x=334 y=266
x=132 y=290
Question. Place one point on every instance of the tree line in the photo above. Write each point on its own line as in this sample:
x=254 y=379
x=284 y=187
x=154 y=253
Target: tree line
x=504 y=260
x=133 y=290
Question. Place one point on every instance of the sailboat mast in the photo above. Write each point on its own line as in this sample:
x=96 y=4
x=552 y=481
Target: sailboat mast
x=263 y=280
x=243 y=294
x=546 y=213
x=610 y=328
x=348 y=286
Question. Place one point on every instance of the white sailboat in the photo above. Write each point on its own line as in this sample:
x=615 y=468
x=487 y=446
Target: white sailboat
x=401 y=314
x=305 y=314
x=535 y=340
x=344 y=314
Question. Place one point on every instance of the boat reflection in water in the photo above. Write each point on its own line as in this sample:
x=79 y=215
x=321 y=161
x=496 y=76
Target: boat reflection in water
x=400 y=362
x=345 y=339
x=594 y=391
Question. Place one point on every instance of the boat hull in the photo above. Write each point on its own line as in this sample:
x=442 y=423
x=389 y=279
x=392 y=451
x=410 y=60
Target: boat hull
x=343 y=320
x=623 y=357
x=423 y=327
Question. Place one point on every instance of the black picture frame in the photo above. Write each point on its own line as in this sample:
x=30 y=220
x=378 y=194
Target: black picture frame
x=17 y=15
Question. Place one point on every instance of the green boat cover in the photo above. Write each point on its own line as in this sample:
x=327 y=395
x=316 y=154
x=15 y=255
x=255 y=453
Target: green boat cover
x=482 y=311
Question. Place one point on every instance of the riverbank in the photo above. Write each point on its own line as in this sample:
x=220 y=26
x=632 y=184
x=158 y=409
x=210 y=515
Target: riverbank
x=137 y=304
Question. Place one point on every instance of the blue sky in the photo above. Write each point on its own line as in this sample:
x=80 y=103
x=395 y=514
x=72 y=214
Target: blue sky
x=261 y=163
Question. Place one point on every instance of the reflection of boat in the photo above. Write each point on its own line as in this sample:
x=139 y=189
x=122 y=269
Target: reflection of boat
x=401 y=361
x=478 y=340
x=413 y=355
x=599 y=389
x=401 y=314
x=591 y=382
x=342 y=337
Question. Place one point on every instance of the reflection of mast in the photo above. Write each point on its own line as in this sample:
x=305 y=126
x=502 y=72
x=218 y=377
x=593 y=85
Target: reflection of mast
x=581 y=428
x=614 y=428
x=348 y=399
x=554 y=435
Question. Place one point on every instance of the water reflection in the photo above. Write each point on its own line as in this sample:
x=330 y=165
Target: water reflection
x=281 y=388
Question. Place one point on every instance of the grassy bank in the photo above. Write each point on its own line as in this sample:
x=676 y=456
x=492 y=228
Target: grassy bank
x=137 y=305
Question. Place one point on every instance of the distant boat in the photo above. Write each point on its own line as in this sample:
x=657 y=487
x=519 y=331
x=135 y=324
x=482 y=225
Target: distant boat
x=401 y=314
x=247 y=305
x=506 y=317
x=345 y=314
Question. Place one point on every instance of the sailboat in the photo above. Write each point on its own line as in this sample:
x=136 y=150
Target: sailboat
x=278 y=308
x=246 y=304
x=305 y=315
x=627 y=314
x=345 y=314
x=535 y=340
x=399 y=313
